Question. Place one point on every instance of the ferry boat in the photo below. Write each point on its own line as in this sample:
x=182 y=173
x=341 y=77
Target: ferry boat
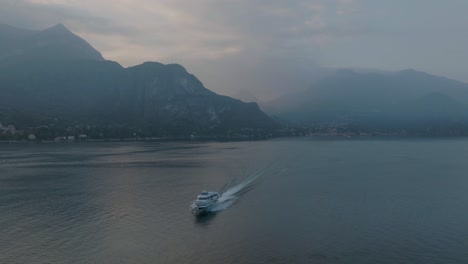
x=205 y=200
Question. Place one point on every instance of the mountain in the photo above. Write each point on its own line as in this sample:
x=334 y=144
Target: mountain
x=56 y=43
x=81 y=93
x=408 y=100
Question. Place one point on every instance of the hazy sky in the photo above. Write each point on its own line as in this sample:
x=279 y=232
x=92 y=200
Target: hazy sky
x=263 y=45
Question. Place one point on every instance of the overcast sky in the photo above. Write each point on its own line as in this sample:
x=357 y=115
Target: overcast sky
x=263 y=45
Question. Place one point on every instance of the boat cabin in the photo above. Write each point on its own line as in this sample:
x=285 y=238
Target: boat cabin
x=207 y=195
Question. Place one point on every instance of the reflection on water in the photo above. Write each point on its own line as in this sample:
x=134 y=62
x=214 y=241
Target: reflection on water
x=204 y=219
x=346 y=201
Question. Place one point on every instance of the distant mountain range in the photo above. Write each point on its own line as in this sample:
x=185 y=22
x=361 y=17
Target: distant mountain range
x=416 y=102
x=55 y=81
x=54 y=84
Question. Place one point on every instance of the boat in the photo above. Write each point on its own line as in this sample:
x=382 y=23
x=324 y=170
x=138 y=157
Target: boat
x=205 y=200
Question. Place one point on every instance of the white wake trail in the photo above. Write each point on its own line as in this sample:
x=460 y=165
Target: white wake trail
x=232 y=194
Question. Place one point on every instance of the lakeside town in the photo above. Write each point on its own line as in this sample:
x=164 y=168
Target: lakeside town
x=83 y=133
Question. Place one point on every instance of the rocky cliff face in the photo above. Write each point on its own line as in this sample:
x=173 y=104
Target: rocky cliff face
x=169 y=96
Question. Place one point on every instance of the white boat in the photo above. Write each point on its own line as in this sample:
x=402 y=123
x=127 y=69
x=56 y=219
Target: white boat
x=205 y=200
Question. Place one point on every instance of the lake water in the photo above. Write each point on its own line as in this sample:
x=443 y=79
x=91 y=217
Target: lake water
x=309 y=201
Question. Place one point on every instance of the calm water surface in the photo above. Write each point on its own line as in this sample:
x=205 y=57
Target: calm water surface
x=316 y=201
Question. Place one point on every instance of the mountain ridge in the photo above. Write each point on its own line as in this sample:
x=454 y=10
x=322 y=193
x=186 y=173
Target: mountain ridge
x=56 y=42
x=88 y=94
x=401 y=100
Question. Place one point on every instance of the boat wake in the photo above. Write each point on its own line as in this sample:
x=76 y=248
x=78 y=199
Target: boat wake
x=232 y=192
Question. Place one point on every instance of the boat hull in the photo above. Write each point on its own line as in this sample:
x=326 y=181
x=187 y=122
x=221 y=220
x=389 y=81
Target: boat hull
x=197 y=211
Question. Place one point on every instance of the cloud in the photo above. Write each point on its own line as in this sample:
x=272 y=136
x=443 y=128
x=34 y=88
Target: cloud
x=212 y=38
x=190 y=28
x=266 y=46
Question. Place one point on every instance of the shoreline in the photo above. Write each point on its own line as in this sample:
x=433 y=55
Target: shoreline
x=230 y=139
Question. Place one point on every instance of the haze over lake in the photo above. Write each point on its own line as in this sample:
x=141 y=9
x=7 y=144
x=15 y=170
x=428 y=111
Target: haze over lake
x=314 y=201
